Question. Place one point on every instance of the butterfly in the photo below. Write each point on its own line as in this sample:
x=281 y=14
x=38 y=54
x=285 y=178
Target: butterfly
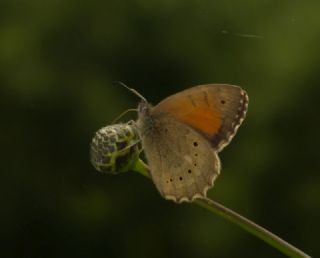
x=183 y=134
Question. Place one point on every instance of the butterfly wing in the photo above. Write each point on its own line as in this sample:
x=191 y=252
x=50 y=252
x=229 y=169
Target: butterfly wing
x=183 y=165
x=214 y=110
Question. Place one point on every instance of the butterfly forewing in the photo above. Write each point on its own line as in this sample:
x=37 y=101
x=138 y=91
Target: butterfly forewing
x=214 y=110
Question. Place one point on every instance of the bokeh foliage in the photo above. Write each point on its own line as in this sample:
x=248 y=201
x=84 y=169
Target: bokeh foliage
x=57 y=61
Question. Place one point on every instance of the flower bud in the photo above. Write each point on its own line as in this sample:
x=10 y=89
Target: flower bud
x=115 y=148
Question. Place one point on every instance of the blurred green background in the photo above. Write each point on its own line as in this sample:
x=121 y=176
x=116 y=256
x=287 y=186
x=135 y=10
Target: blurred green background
x=57 y=63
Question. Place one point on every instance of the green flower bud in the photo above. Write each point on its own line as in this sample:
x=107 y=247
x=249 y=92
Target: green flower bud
x=115 y=148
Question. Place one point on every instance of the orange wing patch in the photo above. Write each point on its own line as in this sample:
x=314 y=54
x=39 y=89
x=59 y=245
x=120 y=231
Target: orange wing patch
x=202 y=118
x=194 y=111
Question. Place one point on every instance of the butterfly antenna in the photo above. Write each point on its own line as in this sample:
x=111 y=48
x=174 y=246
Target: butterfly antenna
x=122 y=114
x=130 y=89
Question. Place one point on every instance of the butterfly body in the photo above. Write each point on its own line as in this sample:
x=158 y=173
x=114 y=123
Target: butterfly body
x=182 y=135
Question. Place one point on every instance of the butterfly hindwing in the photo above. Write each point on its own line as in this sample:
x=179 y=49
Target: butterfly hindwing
x=182 y=163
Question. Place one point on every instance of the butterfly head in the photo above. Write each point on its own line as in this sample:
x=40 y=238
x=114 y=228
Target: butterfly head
x=144 y=109
x=145 y=122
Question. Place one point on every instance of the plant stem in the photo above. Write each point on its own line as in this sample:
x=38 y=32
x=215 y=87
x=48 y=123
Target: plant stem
x=251 y=227
x=237 y=219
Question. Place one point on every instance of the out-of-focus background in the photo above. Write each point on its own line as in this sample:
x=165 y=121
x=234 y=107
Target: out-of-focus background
x=57 y=63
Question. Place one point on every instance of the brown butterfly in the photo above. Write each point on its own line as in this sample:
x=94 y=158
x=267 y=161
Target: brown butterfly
x=183 y=134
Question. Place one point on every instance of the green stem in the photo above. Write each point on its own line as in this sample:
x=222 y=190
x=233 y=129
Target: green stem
x=237 y=219
x=141 y=167
x=251 y=227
